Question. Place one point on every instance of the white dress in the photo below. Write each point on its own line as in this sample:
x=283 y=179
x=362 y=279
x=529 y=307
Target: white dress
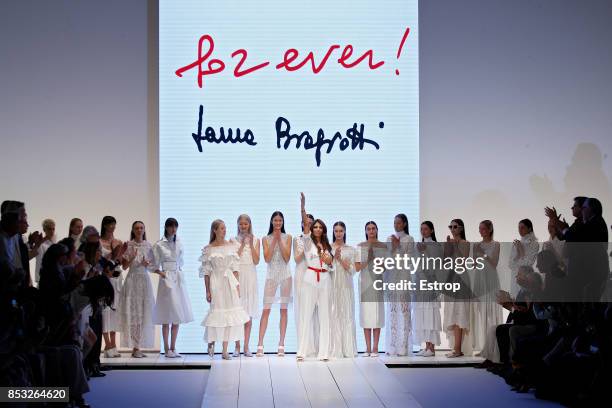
x=426 y=318
x=457 y=306
x=371 y=302
x=172 y=305
x=315 y=296
x=300 y=271
x=137 y=300
x=343 y=337
x=397 y=319
x=111 y=319
x=226 y=316
x=485 y=283
x=278 y=277
x=249 y=295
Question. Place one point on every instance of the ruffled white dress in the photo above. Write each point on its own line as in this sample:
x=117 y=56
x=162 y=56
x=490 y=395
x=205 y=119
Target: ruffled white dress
x=111 y=318
x=426 y=317
x=172 y=304
x=226 y=316
x=137 y=300
x=343 y=337
x=398 y=317
x=371 y=302
x=249 y=294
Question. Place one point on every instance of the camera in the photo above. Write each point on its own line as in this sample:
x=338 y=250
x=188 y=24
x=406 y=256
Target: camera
x=105 y=263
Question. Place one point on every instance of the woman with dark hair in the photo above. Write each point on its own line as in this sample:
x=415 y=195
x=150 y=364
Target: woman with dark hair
x=172 y=306
x=113 y=250
x=315 y=292
x=398 y=324
x=137 y=299
x=524 y=251
x=457 y=304
x=426 y=318
x=277 y=253
x=343 y=338
x=372 y=304
x=226 y=316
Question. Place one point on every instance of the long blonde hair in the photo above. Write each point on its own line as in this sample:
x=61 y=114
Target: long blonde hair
x=213 y=227
x=245 y=216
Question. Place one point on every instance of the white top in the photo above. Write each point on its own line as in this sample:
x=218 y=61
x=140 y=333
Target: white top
x=246 y=256
x=168 y=257
x=311 y=257
x=531 y=246
x=144 y=251
x=278 y=269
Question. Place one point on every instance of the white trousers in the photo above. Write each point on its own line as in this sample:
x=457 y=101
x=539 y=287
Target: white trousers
x=314 y=298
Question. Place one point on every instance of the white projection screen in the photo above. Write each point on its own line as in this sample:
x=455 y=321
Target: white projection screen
x=343 y=71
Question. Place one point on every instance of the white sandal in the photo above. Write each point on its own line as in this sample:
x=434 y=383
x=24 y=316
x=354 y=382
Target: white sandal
x=281 y=351
x=260 y=352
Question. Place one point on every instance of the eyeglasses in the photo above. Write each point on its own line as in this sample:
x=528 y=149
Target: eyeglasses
x=453 y=226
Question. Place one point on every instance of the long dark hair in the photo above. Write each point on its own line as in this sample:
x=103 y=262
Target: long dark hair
x=144 y=233
x=433 y=231
x=459 y=221
x=170 y=222
x=366 y=229
x=404 y=220
x=527 y=222
x=323 y=239
x=274 y=214
x=341 y=224
x=89 y=250
x=312 y=218
x=106 y=221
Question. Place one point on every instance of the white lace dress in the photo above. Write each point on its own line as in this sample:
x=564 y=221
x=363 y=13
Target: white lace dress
x=398 y=317
x=137 y=299
x=371 y=302
x=426 y=317
x=226 y=316
x=172 y=304
x=111 y=319
x=343 y=336
x=249 y=295
x=277 y=288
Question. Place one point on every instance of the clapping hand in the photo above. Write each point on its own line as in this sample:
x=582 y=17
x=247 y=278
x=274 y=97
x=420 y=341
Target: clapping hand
x=395 y=241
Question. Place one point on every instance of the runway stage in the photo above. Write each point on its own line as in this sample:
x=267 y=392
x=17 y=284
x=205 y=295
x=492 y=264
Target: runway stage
x=272 y=381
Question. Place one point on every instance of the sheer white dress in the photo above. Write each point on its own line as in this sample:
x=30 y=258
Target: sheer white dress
x=343 y=336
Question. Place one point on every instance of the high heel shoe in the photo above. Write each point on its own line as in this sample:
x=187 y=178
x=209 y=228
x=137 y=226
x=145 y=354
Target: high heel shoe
x=226 y=356
x=260 y=352
x=236 y=353
x=211 y=350
x=281 y=351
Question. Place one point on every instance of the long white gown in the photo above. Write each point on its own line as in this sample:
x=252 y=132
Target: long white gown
x=277 y=288
x=137 y=300
x=371 y=302
x=249 y=294
x=397 y=319
x=343 y=336
x=426 y=317
x=315 y=296
x=111 y=319
x=172 y=304
x=486 y=312
x=226 y=316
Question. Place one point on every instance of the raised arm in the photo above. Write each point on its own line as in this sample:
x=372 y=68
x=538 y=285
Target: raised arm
x=304 y=214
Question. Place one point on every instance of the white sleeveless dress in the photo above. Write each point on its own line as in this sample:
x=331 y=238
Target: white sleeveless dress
x=249 y=295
